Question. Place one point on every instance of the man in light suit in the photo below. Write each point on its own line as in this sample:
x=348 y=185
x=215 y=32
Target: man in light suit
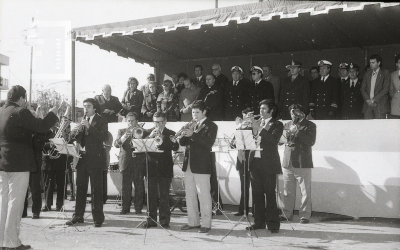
x=375 y=89
x=276 y=82
x=91 y=164
x=17 y=159
x=197 y=167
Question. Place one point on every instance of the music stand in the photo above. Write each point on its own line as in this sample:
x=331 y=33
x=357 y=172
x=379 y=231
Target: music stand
x=147 y=146
x=245 y=141
x=66 y=149
x=220 y=146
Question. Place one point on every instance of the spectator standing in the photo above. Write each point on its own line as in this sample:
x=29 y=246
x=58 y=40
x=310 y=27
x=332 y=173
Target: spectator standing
x=350 y=97
x=213 y=96
x=295 y=90
x=324 y=94
x=109 y=106
x=132 y=100
x=188 y=95
x=375 y=89
x=167 y=102
x=235 y=95
x=276 y=82
x=220 y=79
x=395 y=90
x=149 y=106
x=258 y=90
x=200 y=80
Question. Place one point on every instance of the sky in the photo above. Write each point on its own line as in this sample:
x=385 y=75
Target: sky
x=94 y=67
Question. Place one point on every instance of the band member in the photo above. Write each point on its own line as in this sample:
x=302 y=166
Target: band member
x=132 y=167
x=242 y=164
x=263 y=170
x=297 y=163
x=197 y=166
x=90 y=135
x=132 y=100
x=17 y=159
x=160 y=171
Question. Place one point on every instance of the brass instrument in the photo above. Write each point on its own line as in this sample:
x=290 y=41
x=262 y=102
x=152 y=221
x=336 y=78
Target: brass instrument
x=247 y=120
x=158 y=137
x=53 y=153
x=190 y=125
x=137 y=131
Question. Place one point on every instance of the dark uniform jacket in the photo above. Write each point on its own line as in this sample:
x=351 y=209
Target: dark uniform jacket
x=270 y=160
x=214 y=98
x=296 y=92
x=161 y=164
x=381 y=90
x=149 y=106
x=351 y=100
x=198 y=146
x=97 y=133
x=221 y=80
x=235 y=99
x=134 y=99
x=125 y=158
x=263 y=90
x=298 y=152
x=324 y=97
x=17 y=126
x=112 y=104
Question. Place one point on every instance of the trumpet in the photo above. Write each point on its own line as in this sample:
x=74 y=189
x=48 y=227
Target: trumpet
x=53 y=153
x=158 y=137
x=136 y=131
x=247 y=121
x=190 y=125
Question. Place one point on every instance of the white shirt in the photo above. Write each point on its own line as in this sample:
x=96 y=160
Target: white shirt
x=266 y=121
x=355 y=82
x=90 y=119
x=373 y=82
x=323 y=78
x=201 y=121
x=258 y=82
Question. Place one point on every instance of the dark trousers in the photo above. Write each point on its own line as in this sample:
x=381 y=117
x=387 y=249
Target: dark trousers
x=83 y=173
x=139 y=170
x=105 y=191
x=243 y=188
x=70 y=180
x=161 y=184
x=263 y=186
x=36 y=190
x=374 y=113
x=50 y=178
x=127 y=180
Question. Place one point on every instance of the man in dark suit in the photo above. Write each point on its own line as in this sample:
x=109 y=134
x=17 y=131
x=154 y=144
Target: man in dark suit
x=197 y=166
x=199 y=80
x=90 y=135
x=263 y=171
x=350 y=97
x=160 y=172
x=258 y=90
x=274 y=80
x=220 y=79
x=235 y=95
x=213 y=96
x=109 y=106
x=375 y=89
x=343 y=79
x=132 y=166
x=17 y=159
x=324 y=94
x=297 y=163
x=295 y=90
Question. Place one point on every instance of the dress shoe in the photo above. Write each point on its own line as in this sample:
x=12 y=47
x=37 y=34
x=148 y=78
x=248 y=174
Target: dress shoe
x=204 y=230
x=46 y=208
x=58 y=209
x=124 y=212
x=72 y=198
x=304 y=221
x=187 y=227
x=24 y=215
x=138 y=212
x=148 y=225
x=282 y=218
x=74 y=221
x=165 y=226
x=239 y=214
x=97 y=224
x=274 y=231
x=21 y=247
x=255 y=227
x=35 y=216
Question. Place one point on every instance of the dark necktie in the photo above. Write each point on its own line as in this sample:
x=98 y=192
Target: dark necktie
x=352 y=85
x=343 y=80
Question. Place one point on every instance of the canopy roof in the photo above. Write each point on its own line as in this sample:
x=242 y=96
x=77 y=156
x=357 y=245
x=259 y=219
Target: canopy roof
x=251 y=29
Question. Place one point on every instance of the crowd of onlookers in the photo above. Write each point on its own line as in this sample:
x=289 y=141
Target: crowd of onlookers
x=376 y=94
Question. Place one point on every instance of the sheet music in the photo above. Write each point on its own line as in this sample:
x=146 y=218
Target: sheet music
x=63 y=147
x=145 y=145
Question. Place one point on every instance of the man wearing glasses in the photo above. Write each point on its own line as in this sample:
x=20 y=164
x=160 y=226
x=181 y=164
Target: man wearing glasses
x=258 y=90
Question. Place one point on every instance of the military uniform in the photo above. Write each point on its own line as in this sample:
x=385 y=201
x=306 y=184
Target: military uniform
x=258 y=92
x=296 y=92
x=351 y=99
x=324 y=97
x=235 y=99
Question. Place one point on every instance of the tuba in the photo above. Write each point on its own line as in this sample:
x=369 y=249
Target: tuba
x=53 y=153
